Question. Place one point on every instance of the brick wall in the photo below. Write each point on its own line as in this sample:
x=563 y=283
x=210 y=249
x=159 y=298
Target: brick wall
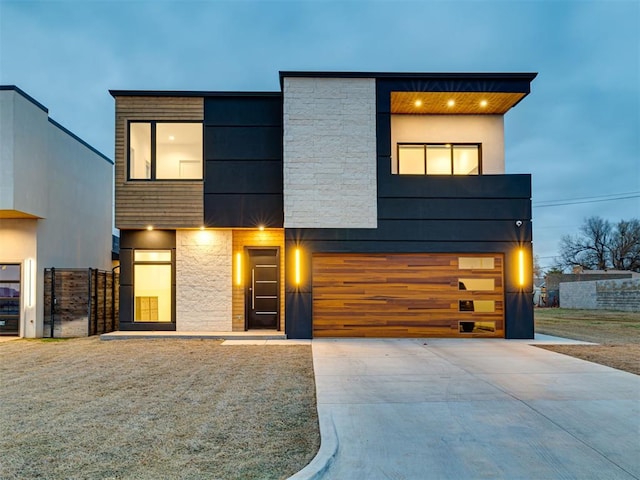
x=329 y=153
x=622 y=294
x=203 y=280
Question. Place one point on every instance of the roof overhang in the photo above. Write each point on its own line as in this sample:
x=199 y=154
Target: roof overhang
x=453 y=103
x=13 y=214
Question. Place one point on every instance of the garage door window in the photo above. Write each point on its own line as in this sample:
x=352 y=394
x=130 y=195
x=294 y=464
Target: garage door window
x=476 y=263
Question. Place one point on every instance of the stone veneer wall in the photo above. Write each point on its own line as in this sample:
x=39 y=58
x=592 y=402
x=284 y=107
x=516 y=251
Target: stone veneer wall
x=203 y=280
x=329 y=153
x=621 y=294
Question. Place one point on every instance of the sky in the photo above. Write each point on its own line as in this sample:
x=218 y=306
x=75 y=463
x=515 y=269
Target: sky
x=577 y=133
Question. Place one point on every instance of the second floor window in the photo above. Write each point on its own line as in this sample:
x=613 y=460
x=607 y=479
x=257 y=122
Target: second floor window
x=438 y=159
x=165 y=151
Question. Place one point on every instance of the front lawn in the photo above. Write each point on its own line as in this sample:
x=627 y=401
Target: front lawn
x=617 y=333
x=150 y=409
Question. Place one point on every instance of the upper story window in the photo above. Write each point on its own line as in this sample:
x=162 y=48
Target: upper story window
x=438 y=159
x=165 y=151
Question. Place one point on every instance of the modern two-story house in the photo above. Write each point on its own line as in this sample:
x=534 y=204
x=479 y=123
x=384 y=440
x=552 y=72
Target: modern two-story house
x=345 y=204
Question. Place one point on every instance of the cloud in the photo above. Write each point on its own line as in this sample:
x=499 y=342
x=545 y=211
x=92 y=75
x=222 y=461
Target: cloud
x=577 y=132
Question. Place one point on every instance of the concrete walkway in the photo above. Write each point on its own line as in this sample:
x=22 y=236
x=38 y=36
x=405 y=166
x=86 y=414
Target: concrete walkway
x=470 y=409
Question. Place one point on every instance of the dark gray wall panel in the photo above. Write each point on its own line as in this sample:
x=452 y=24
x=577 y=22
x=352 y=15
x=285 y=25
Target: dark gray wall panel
x=147 y=239
x=245 y=110
x=461 y=209
x=243 y=161
x=519 y=315
x=243 y=143
x=248 y=177
x=431 y=230
x=243 y=210
x=454 y=186
x=298 y=310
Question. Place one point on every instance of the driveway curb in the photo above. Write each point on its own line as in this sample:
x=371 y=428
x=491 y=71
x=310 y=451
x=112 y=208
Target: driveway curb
x=328 y=449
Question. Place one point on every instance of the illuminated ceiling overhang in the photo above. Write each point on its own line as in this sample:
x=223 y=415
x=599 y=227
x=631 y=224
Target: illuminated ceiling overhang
x=454 y=103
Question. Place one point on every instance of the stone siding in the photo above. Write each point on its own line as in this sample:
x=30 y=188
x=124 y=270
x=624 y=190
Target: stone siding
x=329 y=153
x=203 y=280
x=623 y=294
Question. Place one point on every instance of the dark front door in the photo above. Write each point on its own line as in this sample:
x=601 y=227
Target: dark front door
x=263 y=288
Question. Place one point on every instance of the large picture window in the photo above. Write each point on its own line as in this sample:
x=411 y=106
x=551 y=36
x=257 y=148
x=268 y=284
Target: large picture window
x=438 y=159
x=152 y=285
x=165 y=151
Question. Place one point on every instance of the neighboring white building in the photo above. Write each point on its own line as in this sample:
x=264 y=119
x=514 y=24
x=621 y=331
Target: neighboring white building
x=55 y=208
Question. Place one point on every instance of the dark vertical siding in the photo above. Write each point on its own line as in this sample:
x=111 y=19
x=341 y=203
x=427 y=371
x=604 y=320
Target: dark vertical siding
x=243 y=160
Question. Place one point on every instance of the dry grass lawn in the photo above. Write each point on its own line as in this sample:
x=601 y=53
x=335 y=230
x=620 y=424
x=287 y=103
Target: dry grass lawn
x=618 y=334
x=155 y=409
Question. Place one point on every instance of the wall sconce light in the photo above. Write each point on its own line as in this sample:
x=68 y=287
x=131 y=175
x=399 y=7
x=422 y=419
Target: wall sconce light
x=297 y=267
x=239 y=269
x=29 y=280
x=521 y=267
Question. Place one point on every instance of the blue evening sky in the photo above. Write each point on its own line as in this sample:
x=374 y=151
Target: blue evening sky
x=578 y=132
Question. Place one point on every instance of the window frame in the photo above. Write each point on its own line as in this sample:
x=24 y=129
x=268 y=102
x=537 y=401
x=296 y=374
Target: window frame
x=171 y=264
x=153 y=149
x=452 y=145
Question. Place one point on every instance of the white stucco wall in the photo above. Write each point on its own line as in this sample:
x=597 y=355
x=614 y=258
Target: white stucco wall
x=18 y=244
x=204 y=280
x=485 y=129
x=25 y=128
x=329 y=153
x=77 y=229
x=6 y=150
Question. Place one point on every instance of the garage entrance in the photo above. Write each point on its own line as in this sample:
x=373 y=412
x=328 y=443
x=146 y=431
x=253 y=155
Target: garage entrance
x=408 y=295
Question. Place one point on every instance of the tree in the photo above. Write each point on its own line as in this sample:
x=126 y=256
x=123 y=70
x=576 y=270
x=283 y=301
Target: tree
x=600 y=246
x=537 y=270
x=625 y=246
x=589 y=248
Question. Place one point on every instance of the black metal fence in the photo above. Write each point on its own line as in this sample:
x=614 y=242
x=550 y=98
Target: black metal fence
x=80 y=302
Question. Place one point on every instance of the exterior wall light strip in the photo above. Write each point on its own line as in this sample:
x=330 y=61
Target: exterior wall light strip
x=521 y=267
x=30 y=282
x=239 y=269
x=297 y=266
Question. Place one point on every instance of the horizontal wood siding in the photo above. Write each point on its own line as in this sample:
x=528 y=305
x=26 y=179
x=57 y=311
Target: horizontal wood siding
x=163 y=204
x=399 y=295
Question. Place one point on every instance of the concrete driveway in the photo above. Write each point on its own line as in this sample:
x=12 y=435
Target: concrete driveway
x=470 y=409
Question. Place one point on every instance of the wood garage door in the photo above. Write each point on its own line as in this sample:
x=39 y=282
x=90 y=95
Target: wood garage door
x=408 y=295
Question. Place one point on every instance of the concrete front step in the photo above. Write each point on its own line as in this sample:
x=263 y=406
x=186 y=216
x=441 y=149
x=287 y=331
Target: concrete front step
x=252 y=335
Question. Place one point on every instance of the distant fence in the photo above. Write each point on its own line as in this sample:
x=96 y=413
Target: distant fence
x=623 y=294
x=80 y=302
